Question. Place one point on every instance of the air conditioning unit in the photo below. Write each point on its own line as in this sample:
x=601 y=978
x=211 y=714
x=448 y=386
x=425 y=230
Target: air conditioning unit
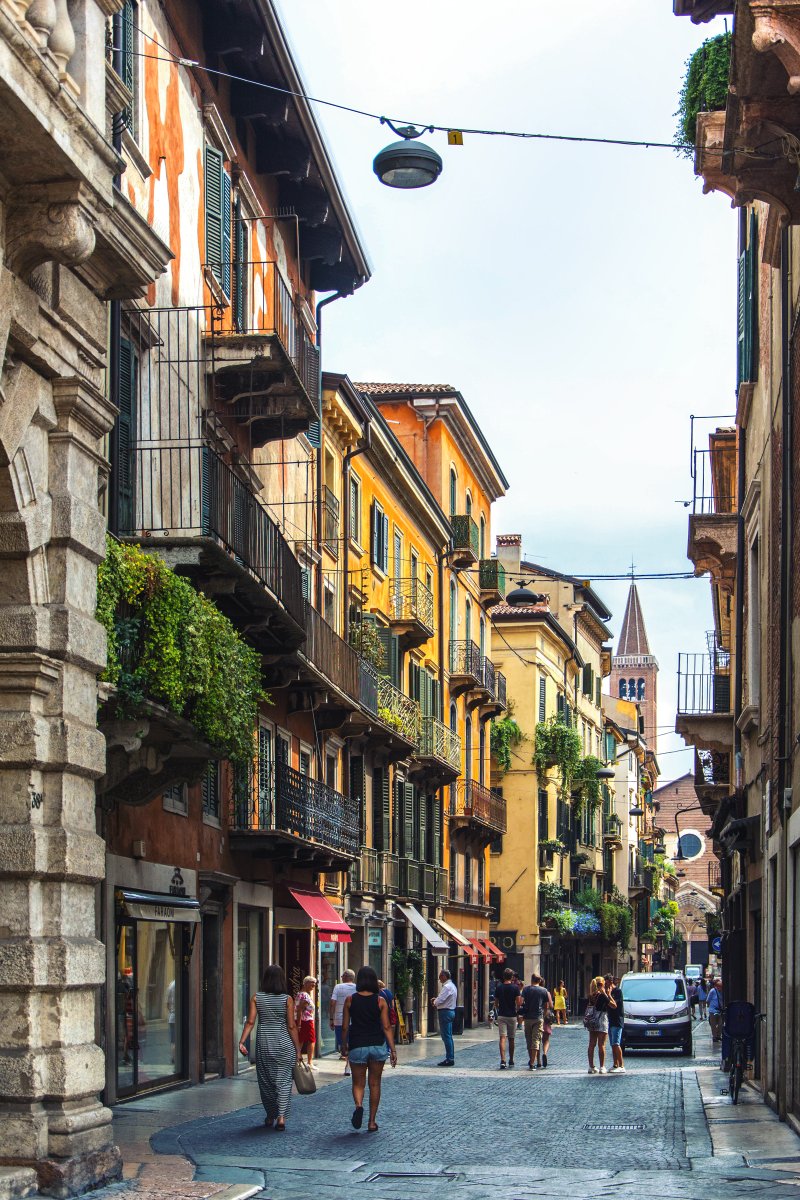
x=140 y=848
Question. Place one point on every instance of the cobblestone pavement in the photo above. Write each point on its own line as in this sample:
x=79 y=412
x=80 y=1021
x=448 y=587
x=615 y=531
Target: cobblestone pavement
x=476 y=1131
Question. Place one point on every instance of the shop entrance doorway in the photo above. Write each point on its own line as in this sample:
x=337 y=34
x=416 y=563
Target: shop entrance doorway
x=213 y=1059
x=150 y=1004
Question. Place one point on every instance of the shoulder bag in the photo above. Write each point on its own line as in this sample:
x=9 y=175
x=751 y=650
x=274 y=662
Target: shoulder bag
x=304 y=1079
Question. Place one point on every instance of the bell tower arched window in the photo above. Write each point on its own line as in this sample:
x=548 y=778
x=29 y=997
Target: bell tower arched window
x=623 y=690
x=640 y=690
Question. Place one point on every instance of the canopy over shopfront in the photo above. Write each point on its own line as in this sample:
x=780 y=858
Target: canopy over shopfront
x=485 y=954
x=329 y=925
x=158 y=906
x=415 y=918
x=456 y=936
x=495 y=951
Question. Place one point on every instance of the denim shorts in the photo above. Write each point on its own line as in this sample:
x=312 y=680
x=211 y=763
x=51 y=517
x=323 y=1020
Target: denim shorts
x=615 y=1035
x=361 y=1055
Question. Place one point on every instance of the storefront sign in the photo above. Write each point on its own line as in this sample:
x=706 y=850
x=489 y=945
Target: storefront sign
x=162 y=912
x=374 y=937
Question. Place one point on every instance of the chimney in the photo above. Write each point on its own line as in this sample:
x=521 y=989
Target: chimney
x=509 y=552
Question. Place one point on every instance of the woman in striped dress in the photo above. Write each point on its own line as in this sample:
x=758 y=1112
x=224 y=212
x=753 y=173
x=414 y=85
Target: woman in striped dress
x=277 y=1044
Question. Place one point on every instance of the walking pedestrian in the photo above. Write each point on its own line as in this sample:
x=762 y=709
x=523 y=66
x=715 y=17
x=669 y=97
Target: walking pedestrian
x=336 y=1010
x=616 y=1023
x=445 y=1005
x=691 y=991
x=388 y=995
x=304 y=1016
x=547 y=1029
x=366 y=1034
x=560 y=1003
x=595 y=1019
x=702 y=998
x=277 y=1044
x=715 y=1007
x=534 y=1000
x=506 y=1002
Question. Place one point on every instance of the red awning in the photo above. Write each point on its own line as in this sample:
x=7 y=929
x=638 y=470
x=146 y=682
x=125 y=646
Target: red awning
x=482 y=951
x=495 y=951
x=329 y=924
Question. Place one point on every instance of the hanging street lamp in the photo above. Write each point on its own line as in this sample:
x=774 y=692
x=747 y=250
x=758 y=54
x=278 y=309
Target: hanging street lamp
x=407 y=164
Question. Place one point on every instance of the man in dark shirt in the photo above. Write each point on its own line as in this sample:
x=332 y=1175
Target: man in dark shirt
x=535 y=999
x=616 y=1021
x=506 y=1001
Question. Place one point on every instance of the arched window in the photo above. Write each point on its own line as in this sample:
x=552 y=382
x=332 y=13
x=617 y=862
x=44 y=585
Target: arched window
x=453 y=492
x=631 y=689
x=453 y=793
x=453 y=718
x=640 y=690
x=468 y=622
x=468 y=748
x=469 y=505
x=483 y=536
x=623 y=690
x=483 y=637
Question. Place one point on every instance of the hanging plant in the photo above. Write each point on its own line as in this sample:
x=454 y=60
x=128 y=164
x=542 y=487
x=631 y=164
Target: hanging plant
x=705 y=88
x=586 y=787
x=553 y=846
x=503 y=737
x=616 y=923
x=363 y=637
x=556 y=744
x=169 y=644
x=551 y=899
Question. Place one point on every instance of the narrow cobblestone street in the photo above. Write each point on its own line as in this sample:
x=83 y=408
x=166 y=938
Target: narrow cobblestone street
x=474 y=1131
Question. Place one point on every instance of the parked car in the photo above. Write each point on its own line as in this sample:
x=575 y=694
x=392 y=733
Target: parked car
x=657 y=1013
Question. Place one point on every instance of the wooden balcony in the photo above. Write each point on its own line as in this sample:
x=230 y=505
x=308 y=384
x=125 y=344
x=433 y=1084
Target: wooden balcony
x=281 y=815
x=438 y=758
x=411 y=611
x=492 y=581
x=465 y=542
x=330 y=676
x=477 y=814
x=265 y=365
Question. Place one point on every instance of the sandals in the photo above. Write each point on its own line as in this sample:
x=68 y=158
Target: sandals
x=372 y=1129
x=357 y=1119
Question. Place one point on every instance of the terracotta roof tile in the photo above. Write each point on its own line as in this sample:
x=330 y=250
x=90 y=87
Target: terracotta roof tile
x=505 y=610
x=405 y=389
x=633 y=636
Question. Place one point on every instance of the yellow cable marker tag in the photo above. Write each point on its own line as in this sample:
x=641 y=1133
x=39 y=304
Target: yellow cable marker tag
x=455 y=137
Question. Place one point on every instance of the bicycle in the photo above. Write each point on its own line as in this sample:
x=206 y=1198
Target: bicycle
x=739 y=1026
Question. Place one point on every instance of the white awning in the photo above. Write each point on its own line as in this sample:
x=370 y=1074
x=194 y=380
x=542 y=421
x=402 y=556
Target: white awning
x=421 y=925
x=159 y=906
x=453 y=934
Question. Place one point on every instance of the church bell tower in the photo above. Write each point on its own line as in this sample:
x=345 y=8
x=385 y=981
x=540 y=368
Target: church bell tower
x=634 y=670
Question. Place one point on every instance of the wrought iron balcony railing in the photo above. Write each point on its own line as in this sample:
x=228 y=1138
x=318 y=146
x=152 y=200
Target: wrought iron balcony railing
x=365 y=873
x=399 y=712
x=712 y=768
x=368 y=685
x=612 y=827
x=330 y=520
x=331 y=654
x=262 y=304
x=479 y=804
x=492 y=576
x=704 y=684
x=501 y=690
x=273 y=797
x=488 y=676
x=410 y=878
x=411 y=600
x=185 y=491
x=465 y=659
x=437 y=741
x=714 y=478
x=714 y=876
x=466 y=538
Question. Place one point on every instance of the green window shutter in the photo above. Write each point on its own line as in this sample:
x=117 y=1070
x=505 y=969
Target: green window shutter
x=386 y=824
x=128 y=59
x=436 y=698
x=355 y=524
x=436 y=824
x=598 y=698
x=424 y=848
x=314 y=434
x=741 y=290
x=305 y=579
x=416 y=682
x=126 y=434
x=397 y=817
x=225 y=215
x=218 y=218
x=380 y=835
x=542 y=697
x=408 y=819
x=751 y=301
x=358 y=792
x=560 y=705
x=238 y=267
x=385 y=638
x=374 y=525
x=587 y=679
x=391 y=646
x=385 y=544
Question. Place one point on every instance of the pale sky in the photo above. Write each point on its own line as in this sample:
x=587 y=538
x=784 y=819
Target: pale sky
x=582 y=298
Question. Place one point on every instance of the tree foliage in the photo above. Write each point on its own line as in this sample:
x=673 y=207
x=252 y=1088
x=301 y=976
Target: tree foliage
x=557 y=744
x=705 y=87
x=504 y=736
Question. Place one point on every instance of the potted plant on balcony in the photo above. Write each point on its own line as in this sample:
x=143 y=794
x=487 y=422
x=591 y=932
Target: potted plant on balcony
x=551 y=900
x=557 y=744
x=553 y=846
x=586 y=786
x=705 y=87
x=363 y=637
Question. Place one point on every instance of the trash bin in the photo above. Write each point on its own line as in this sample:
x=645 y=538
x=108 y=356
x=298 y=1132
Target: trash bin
x=458 y=1021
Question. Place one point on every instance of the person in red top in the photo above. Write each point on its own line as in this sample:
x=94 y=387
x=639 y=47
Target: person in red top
x=304 y=1016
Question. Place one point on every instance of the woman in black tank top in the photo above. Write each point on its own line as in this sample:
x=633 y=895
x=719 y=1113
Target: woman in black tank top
x=366 y=1032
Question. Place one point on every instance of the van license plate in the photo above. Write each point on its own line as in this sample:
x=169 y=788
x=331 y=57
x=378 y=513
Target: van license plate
x=652 y=1033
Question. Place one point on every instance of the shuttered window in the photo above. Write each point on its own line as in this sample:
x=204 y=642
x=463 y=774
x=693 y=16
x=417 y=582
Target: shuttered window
x=598 y=697
x=355 y=509
x=409 y=840
x=358 y=792
x=239 y=299
x=747 y=312
x=381 y=810
x=542 y=697
x=210 y=791
x=588 y=680
x=544 y=815
x=391 y=653
x=125 y=435
x=379 y=537
x=128 y=63
x=436 y=828
x=218 y=218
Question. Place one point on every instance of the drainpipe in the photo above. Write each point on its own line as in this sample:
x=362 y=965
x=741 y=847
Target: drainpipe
x=340 y=295
x=364 y=444
x=115 y=307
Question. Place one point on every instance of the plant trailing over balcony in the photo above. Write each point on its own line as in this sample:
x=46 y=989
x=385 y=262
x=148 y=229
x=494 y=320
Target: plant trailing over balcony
x=586 y=787
x=169 y=644
x=504 y=736
x=564 y=920
x=616 y=923
x=557 y=744
x=393 y=720
x=705 y=87
x=551 y=899
x=363 y=637
x=553 y=846
x=589 y=899
x=662 y=866
x=586 y=923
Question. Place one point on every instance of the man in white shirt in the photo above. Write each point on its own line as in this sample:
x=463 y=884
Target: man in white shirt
x=336 y=1008
x=445 y=1003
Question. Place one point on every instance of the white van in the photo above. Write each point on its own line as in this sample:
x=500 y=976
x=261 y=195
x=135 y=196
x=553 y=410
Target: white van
x=656 y=1012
